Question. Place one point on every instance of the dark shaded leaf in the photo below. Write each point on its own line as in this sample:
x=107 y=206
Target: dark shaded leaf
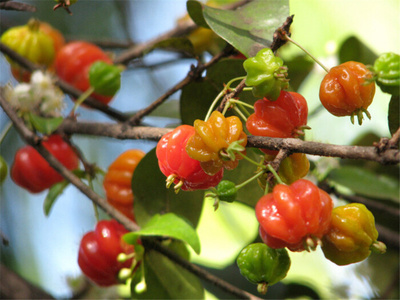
x=166 y=280
x=250 y=27
x=394 y=114
x=252 y=192
x=179 y=44
x=365 y=182
x=167 y=225
x=197 y=97
x=354 y=49
x=152 y=197
x=195 y=11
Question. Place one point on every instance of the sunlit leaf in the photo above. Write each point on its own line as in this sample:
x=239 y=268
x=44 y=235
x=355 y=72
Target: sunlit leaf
x=168 y=225
x=54 y=192
x=45 y=125
x=393 y=114
x=366 y=183
x=166 y=280
x=250 y=27
x=152 y=197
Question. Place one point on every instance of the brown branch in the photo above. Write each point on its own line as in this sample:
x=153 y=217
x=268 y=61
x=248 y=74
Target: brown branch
x=18 y=6
x=280 y=40
x=390 y=156
x=13 y=286
x=124 y=131
x=193 y=74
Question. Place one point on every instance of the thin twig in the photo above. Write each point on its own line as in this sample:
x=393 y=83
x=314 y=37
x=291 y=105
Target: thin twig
x=18 y=6
x=192 y=75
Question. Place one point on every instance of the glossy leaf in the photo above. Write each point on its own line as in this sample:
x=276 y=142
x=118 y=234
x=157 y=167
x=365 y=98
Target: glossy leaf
x=366 y=183
x=45 y=125
x=353 y=49
x=195 y=11
x=54 y=192
x=168 y=225
x=251 y=27
x=152 y=197
x=393 y=114
x=166 y=280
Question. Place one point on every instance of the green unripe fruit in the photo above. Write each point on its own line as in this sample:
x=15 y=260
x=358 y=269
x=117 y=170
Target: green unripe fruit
x=263 y=265
x=105 y=78
x=266 y=74
x=227 y=191
x=387 y=69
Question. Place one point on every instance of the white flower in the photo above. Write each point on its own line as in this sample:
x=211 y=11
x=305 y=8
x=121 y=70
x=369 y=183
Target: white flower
x=40 y=96
x=41 y=80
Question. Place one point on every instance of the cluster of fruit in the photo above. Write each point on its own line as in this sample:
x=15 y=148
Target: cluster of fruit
x=294 y=213
x=82 y=64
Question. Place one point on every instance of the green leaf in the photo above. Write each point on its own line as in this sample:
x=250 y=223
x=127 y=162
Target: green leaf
x=195 y=11
x=51 y=197
x=45 y=125
x=354 y=49
x=152 y=197
x=366 y=183
x=251 y=27
x=251 y=192
x=393 y=114
x=168 y=225
x=166 y=280
x=179 y=44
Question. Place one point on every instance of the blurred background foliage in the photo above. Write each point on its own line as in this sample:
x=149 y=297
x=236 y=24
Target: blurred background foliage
x=44 y=249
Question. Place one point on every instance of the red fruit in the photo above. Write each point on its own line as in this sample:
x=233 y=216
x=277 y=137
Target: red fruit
x=283 y=118
x=33 y=173
x=73 y=62
x=293 y=216
x=176 y=164
x=98 y=252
